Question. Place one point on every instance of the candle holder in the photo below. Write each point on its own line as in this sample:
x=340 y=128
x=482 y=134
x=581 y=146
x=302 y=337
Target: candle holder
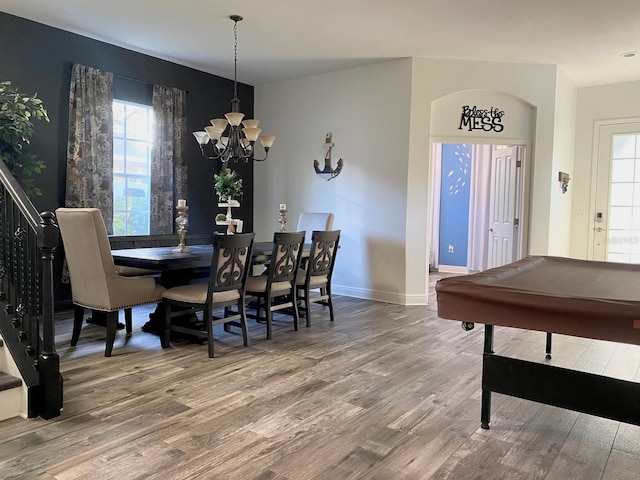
x=283 y=219
x=182 y=222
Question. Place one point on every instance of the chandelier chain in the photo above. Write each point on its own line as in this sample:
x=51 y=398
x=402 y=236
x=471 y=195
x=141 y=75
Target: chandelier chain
x=235 y=59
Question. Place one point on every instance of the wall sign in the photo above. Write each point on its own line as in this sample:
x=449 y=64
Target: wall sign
x=474 y=118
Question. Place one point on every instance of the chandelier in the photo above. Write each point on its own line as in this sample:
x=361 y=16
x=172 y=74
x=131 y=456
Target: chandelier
x=238 y=143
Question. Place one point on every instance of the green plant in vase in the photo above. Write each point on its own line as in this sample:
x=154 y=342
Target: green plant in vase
x=228 y=185
x=16 y=129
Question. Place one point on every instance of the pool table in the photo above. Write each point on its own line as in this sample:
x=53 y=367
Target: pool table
x=598 y=300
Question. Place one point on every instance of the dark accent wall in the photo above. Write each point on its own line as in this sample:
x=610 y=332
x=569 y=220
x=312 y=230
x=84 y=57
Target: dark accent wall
x=38 y=58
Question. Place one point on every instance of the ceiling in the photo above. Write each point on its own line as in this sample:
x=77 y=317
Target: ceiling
x=282 y=39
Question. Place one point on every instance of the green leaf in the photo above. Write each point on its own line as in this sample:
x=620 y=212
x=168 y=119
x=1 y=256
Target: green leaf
x=16 y=129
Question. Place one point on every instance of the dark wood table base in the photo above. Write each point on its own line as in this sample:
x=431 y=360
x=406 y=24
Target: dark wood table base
x=561 y=387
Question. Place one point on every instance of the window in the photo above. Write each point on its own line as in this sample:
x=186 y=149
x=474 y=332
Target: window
x=132 y=140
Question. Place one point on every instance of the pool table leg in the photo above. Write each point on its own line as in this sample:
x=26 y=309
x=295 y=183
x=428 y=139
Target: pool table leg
x=548 y=350
x=485 y=412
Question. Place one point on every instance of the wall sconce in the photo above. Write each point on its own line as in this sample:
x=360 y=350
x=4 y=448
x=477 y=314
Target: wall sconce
x=564 y=178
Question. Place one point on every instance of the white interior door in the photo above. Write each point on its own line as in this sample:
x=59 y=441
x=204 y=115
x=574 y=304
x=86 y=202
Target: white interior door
x=616 y=220
x=503 y=221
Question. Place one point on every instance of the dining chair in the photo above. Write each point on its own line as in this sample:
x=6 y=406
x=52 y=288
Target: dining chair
x=318 y=272
x=230 y=265
x=310 y=221
x=275 y=290
x=95 y=283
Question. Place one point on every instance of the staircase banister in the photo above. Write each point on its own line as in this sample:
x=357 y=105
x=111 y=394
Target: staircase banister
x=20 y=197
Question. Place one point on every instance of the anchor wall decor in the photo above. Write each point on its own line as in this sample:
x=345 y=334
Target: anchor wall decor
x=328 y=172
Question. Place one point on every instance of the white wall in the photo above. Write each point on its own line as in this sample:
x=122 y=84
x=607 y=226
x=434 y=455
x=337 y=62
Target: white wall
x=380 y=119
x=562 y=161
x=436 y=78
x=367 y=110
x=605 y=102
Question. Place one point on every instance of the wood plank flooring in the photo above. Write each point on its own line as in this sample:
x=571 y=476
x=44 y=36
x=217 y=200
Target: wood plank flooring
x=386 y=392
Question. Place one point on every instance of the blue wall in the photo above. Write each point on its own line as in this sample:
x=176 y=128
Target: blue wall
x=454 y=203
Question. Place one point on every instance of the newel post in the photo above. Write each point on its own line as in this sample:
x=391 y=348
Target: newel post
x=50 y=397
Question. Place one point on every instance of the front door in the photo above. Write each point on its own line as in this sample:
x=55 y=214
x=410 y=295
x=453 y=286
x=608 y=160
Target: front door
x=616 y=223
x=503 y=224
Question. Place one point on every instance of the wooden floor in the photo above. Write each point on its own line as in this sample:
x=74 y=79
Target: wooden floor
x=387 y=392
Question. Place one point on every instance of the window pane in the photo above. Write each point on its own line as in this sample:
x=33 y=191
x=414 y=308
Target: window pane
x=634 y=241
x=137 y=223
x=618 y=257
x=138 y=193
x=118 y=155
x=635 y=222
x=137 y=157
x=624 y=146
x=636 y=194
x=137 y=123
x=621 y=170
x=620 y=218
x=622 y=194
x=119 y=223
x=119 y=184
x=118 y=119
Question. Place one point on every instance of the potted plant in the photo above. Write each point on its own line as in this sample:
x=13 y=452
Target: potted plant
x=16 y=129
x=228 y=186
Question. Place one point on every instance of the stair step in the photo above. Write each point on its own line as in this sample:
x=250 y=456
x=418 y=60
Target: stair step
x=7 y=381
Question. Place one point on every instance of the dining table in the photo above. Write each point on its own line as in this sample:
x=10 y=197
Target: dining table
x=180 y=267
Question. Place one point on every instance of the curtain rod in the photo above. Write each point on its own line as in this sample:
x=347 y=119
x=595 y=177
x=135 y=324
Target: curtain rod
x=124 y=77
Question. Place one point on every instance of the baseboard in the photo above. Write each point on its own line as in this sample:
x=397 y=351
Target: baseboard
x=379 y=296
x=452 y=269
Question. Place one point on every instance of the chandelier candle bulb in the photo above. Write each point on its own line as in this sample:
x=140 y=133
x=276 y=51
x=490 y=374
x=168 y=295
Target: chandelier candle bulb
x=234 y=118
x=252 y=134
x=251 y=123
x=219 y=123
x=202 y=137
x=213 y=132
x=267 y=141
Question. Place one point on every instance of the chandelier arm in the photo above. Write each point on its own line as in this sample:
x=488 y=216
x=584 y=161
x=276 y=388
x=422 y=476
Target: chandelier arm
x=266 y=154
x=214 y=157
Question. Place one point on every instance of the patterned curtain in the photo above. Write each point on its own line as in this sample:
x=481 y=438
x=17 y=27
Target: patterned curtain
x=168 y=168
x=90 y=145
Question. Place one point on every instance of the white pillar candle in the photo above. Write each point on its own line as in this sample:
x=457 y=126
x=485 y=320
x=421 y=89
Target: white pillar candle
x=182 y=202
x=283 y=206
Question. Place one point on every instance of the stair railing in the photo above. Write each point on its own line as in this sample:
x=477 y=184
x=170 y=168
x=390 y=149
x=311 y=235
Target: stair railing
x=27 y=244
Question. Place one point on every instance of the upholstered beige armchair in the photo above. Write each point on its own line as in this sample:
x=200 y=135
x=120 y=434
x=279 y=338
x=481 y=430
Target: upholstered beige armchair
x=310 y=221
x=94 y=281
